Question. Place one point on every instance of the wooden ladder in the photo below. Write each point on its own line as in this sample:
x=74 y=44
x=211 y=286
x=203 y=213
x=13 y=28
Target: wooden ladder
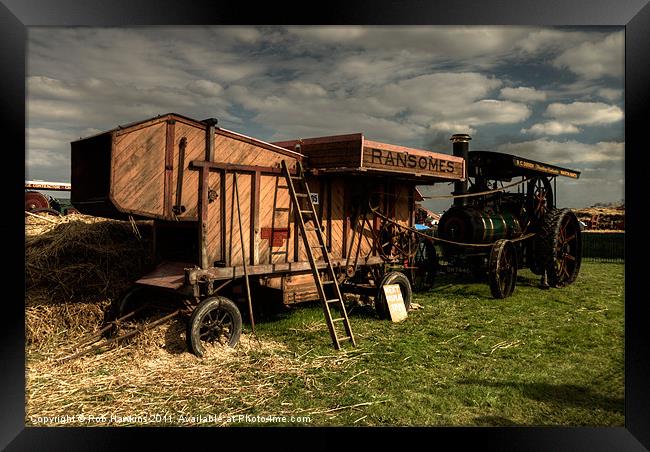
x=333 y=297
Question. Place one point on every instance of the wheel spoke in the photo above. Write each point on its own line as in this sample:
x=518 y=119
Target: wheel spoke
x=225 y=315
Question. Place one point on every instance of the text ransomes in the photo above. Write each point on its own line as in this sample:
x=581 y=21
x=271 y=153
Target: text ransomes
x=383 y=158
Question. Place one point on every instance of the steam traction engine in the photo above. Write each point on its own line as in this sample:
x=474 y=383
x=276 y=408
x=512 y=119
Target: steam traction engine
x=497 y=232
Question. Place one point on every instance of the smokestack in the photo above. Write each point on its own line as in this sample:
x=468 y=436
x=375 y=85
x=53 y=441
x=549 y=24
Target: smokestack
x=460 y=148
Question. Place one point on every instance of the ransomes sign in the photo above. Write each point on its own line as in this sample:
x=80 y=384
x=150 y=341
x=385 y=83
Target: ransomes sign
x=417 y=163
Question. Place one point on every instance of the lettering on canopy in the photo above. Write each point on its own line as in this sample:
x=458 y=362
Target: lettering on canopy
x=544 y=168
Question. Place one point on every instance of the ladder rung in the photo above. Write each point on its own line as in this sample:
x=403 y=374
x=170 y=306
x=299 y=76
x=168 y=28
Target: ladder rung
x=340 y=319
x=296 y=178
x=332 y=300
x=327 y=282
x=344 y=338
x=306 y=211
x=316 y=246
x=302 y=195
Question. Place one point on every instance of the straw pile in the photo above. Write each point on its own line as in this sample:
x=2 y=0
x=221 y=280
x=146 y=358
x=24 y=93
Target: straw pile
x=608 y=218
x=75 y=266
x=155 y=375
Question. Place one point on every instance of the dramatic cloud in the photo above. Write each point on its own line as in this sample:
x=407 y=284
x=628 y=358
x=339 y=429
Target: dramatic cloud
x=566 y=152
x=593 y=60
x=610 y=94
x=551 y=128
x=585 y=113
x=523 y=94
x=406 y=85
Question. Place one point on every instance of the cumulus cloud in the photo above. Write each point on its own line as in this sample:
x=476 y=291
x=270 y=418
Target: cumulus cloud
x=595 y=59
x=205 y=88
x=523 y=94
x=406 y=85
x=610 y=93
x=439 y=41
x=551 y=128
x=566 y=152
x=585 y=113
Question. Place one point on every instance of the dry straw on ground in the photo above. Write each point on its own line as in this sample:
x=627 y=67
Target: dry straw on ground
x=75 y=267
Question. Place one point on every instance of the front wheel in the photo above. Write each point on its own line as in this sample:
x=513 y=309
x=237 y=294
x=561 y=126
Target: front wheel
x=381 y=304
x=502 y=269
x=215 y=320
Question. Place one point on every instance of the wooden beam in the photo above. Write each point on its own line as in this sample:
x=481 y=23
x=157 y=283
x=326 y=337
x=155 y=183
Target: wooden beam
x=255 y=217
x=222 y=204
x=169 y=166
x=217 y=273
x=203 y=218
x=197 y=164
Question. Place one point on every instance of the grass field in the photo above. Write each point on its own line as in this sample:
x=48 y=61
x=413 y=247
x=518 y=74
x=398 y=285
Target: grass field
x=540 y=357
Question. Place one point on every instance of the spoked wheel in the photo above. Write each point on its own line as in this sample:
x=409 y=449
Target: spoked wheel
x=389 y=240
x=47 y=211
x=138 y=304
x=216 y=320
x=561 y=244
x=539 y=199
x=396 y=243
x=503 y=269
x=426 y=263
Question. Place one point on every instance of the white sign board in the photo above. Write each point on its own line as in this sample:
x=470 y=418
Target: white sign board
x=395 y=302
x=314 y=198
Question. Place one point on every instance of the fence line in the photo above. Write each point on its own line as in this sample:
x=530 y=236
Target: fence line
x=603 y=246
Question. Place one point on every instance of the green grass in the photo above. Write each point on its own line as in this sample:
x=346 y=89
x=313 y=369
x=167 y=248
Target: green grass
x=540 y=357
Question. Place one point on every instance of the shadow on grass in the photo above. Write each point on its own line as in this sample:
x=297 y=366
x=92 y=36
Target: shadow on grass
x=493 y=421
x=561 y=394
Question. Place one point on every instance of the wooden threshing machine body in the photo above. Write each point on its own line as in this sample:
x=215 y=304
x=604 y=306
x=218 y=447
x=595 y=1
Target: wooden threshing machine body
x=181 y=173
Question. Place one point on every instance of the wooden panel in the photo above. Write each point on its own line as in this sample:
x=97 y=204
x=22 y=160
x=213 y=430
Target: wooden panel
x=298 y=288
x=194 y=149
x=138 y=167
x=399 y=158
x=338 y=196
x=233 y=238
x=403 y=193
x=330 y=152
x=272 y=219
x=238 y=152
x=215 y=215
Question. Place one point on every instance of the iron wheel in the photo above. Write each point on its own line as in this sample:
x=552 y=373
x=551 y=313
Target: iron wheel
x=502 y=268
x=215 y=320
x=562 y=247
x=539 y=199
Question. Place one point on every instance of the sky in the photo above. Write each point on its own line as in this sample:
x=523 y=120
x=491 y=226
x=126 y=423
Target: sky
x=554 y=95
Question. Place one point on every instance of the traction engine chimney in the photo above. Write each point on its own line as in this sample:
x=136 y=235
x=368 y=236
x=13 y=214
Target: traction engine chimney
x=460 y=148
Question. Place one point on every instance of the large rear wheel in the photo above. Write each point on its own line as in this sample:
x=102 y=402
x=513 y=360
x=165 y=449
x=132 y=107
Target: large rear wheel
x=561 y=247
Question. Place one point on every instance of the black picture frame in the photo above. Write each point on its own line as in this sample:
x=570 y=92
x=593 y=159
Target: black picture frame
x=16 y=15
